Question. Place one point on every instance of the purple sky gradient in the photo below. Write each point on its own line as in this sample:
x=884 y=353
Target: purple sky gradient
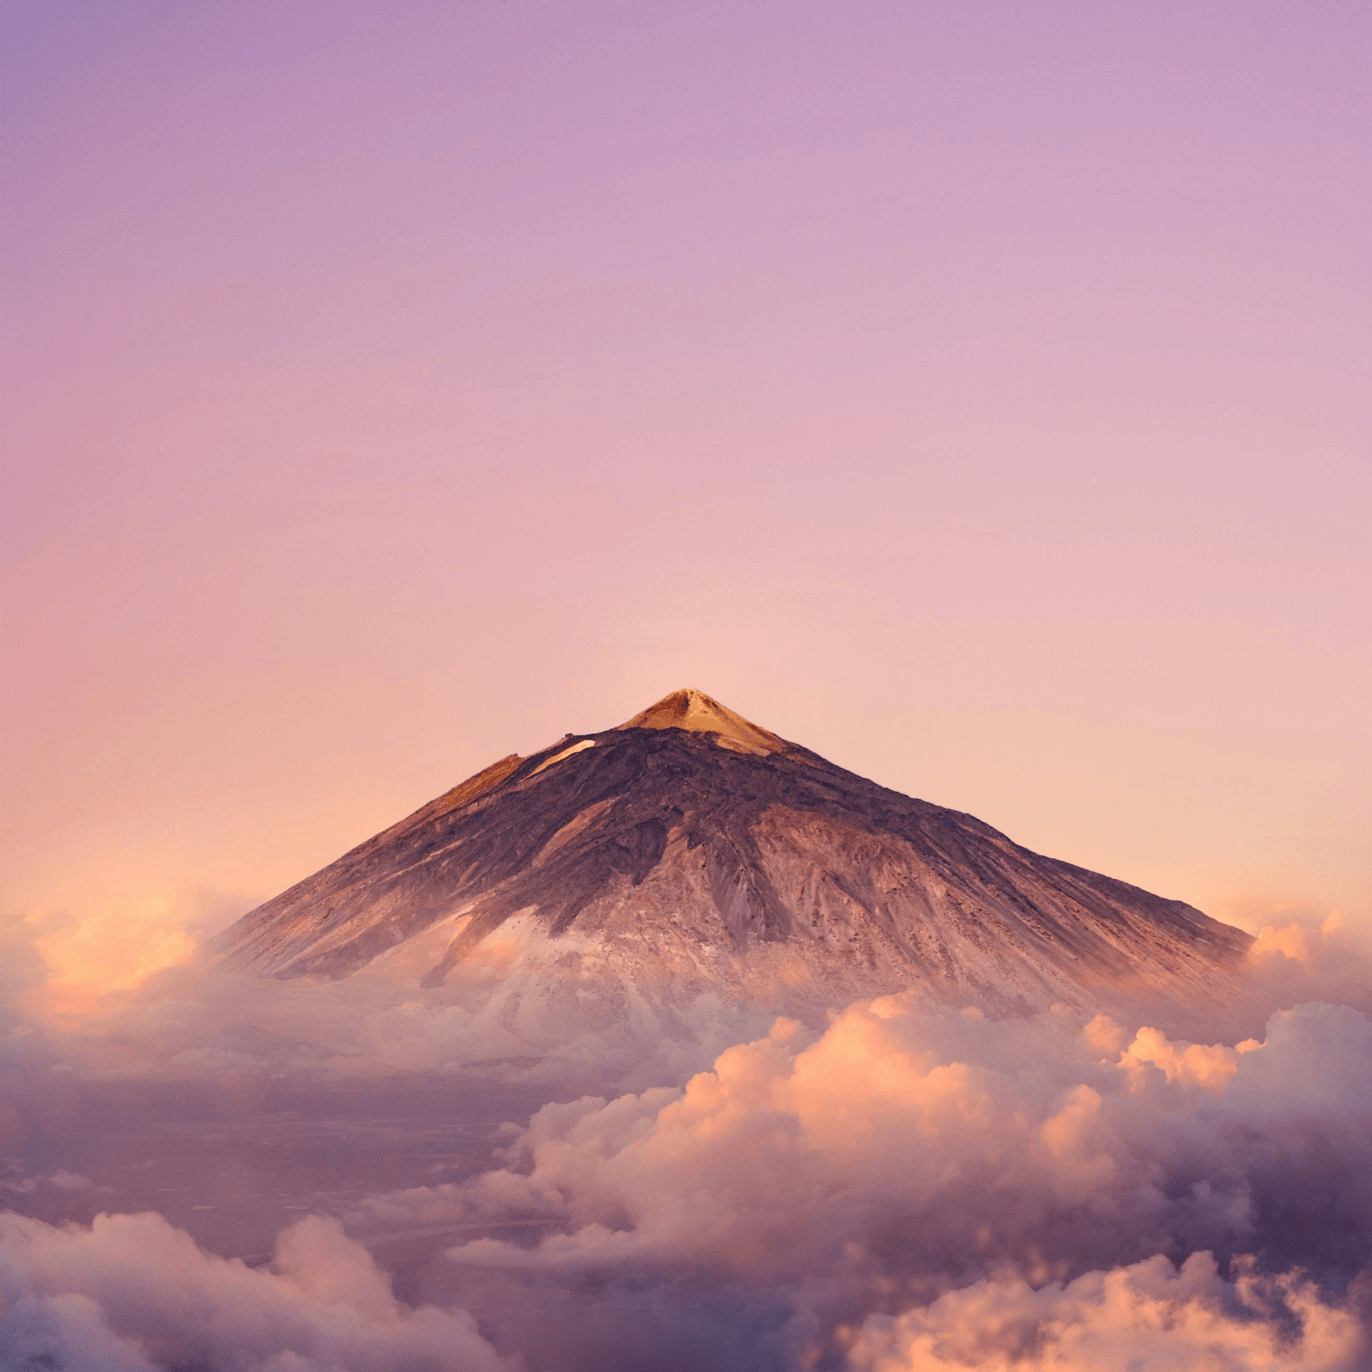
x=977 y=393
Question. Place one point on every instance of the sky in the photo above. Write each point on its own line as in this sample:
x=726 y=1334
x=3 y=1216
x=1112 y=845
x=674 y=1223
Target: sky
x=978 y=394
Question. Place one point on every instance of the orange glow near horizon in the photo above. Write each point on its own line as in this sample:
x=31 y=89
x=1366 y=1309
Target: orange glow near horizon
x=963 y=400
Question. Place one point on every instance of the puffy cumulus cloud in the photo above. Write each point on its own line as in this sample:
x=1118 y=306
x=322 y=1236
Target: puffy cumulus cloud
x=936 y=1144
x=132 y=1292
x=1149 y=1317
x=866 y=1176
x=903 y=1154
x=1198 y=1064
x=1302 y=955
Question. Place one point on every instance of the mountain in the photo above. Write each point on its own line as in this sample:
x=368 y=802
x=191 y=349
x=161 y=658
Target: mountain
x=690 y=853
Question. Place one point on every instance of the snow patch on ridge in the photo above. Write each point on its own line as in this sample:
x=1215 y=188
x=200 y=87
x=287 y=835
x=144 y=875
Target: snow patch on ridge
x=566 y=752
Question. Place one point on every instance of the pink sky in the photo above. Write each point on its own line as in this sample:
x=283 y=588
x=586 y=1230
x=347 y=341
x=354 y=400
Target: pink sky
x=976 y=393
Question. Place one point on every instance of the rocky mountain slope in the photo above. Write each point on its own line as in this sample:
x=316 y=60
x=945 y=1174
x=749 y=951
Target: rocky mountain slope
x=690 y=853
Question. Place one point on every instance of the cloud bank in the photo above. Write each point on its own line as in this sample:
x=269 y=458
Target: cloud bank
x=904 y=1188
x=1149 y=1316
x=173 y=1011
x=131 y=1292
x=903 y=1162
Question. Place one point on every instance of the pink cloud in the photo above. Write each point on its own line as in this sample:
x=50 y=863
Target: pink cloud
x=132 y=1292
x=1149 y=1315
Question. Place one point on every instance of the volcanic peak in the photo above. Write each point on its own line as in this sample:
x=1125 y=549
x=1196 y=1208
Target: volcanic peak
x=698 y=713
x=650 y=865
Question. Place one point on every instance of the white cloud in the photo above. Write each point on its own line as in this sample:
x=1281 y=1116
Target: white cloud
x=902 y=1175
x=132 y=1292
x=1149 y=1317
x=904 y=1155
x=986 y=1140
x=891 y=1177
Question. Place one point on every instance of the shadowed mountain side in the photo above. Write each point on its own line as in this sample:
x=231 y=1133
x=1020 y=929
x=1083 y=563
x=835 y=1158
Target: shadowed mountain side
x=690 y=852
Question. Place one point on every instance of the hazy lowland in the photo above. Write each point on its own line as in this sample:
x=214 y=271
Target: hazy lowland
x=678 y=1046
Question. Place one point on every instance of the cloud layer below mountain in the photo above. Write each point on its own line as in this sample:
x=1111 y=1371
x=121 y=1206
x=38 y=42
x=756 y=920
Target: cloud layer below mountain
x=131 y=1292
x=904 y=1189
x=904 y=1162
